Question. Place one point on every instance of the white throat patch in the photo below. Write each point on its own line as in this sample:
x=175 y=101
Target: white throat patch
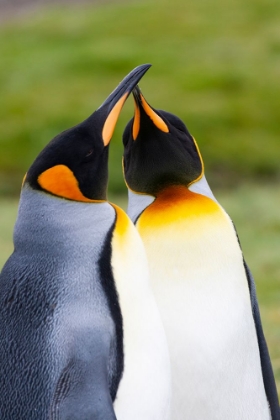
x=202 y=187
x=137 y=203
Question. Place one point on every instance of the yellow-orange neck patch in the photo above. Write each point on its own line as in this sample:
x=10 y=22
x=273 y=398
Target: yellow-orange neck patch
x=60 y=180
x=175 y=204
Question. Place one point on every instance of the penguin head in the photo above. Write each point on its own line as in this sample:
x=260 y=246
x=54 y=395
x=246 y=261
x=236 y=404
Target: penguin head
x=74 y=165
x=159 y=151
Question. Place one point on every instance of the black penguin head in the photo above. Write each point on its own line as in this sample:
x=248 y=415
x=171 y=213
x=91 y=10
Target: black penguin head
x=74 y=165
x=158 y=150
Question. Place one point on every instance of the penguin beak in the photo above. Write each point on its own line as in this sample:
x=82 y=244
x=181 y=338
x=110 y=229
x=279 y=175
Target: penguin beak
x=140 y=103
x=111 y=107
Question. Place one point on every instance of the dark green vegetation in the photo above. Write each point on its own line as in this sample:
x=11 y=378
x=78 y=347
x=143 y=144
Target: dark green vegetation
x=255 y=211
x=215 y=64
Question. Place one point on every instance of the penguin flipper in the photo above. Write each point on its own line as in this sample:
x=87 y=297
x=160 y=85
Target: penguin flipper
x=267 y=371
x=82 y=393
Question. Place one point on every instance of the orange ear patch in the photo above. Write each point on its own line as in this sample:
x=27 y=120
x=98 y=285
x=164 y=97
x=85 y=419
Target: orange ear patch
x=112 y=119
x=60 y=180
x=159 y=123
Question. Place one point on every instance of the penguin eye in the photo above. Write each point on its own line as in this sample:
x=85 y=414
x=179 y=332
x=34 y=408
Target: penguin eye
x=87 y=156
x=89 y=153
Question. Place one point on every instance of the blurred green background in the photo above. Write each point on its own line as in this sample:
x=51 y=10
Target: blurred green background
x=216 y=64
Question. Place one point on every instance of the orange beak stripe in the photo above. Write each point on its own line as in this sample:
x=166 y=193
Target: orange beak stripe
x=111 y=120
x=136 y=121
x=159 y=123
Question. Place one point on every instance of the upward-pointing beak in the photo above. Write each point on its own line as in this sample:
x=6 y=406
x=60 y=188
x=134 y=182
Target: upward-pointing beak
x=142 y=105
x=111 y=107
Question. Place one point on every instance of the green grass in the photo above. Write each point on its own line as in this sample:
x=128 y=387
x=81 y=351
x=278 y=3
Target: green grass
x=255 y=211
x=215 y=64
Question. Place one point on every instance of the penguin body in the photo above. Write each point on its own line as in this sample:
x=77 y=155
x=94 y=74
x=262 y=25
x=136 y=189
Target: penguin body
x=67 y=338
x=219 y=360
x=61 y=353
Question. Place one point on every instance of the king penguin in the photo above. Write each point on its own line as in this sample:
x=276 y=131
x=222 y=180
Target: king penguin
x=220 y=364
x=80 y=333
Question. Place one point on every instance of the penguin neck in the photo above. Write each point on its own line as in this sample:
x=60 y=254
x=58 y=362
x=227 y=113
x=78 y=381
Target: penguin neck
x=177 y=205
x=44 y=219
x=137 y=203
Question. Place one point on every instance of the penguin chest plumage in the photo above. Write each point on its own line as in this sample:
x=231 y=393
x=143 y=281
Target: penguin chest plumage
x=144 y=391
x=199 y=282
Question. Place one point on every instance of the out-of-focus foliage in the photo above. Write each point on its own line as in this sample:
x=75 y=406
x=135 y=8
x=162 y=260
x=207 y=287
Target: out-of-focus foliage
x=216 y=64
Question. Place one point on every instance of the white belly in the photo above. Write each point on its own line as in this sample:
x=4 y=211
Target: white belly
x=144 y=390
x=201 y=288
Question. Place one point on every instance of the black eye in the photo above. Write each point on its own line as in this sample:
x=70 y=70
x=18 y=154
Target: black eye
x=89 y=153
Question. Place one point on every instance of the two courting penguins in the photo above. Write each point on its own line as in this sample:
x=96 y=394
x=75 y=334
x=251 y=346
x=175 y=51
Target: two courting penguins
x=149 y=315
